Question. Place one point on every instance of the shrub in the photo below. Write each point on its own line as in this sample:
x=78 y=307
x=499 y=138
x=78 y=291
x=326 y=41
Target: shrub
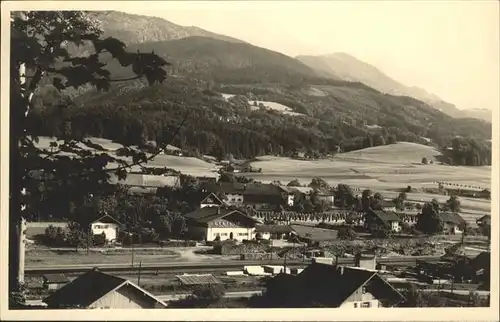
x=99 y=239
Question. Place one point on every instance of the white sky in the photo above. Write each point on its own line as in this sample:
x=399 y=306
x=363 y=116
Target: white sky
x=450 y=48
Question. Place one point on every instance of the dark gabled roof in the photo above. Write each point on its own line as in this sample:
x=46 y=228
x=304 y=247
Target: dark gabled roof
x=486 y=219
x=451 y=217
x=212 y=199
x=84 y=290
x=386 y=216
x=55 y=278
x=482 y=260
x=314 y=234
x=327 y=283
x=88 y=288
x=207 y=214
x=109 y=219
x=273 y=229
x=198 y=279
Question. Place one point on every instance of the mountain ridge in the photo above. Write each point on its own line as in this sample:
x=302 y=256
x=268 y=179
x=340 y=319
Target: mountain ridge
x=347 y=67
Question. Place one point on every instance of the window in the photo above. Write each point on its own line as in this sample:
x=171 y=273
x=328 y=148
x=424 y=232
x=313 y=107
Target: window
x=355 y=305
x=365 y=304
x=363 y=290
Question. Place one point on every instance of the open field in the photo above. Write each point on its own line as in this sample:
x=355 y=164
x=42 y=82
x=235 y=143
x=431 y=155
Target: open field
x=385 y=169
x=269 y=105
x=41 y=256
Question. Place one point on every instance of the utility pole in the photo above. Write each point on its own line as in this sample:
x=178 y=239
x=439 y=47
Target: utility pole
x=139 y=274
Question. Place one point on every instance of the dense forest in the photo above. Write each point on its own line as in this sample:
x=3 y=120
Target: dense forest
x=134 y=114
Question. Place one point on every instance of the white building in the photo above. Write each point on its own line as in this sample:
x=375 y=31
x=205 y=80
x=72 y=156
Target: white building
x=211 y=201
x=107 y=225
x=97 y=290
x=208 y=223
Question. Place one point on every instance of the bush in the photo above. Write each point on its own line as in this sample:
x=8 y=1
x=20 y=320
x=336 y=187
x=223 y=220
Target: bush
x=99 y=240
x=424 y=160
x=177 y=243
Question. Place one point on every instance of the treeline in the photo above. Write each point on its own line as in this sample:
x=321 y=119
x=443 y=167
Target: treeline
x=217 y=127
x=469 y=152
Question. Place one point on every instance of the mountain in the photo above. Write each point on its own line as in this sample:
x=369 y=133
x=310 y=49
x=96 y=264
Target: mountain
x=222 y=61
x=346 y=67
x=133 y=29
x=478 y=113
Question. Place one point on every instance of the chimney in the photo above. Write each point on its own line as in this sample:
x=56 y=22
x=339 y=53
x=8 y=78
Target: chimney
x=95 y=269
x=340 y=270
x=22 y=246
x=218 y=210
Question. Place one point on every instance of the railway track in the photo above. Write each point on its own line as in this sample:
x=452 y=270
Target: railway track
x=206 y=266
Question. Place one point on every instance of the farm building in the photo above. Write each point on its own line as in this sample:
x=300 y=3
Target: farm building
x=333 y=286
x=107 y=225
x=380 y=217
x=223 y=222
x=255 y=195
x=272 y=231
x=326 y=196
x=97 y=290
x=484 y=221
x=211 y=201
x=314 y=236
x=452 y=222
x=54 y=282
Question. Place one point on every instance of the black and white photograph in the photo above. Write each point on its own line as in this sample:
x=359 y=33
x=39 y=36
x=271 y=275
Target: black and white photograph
x=251 y=155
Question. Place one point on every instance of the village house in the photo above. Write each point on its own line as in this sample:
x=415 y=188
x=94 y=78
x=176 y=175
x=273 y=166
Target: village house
x=272 y=231
x=484 y=221
x=209 y=223
x=376 y=218
x=54 y=282
x=313 y=236
x=255 y=195
x=107 y=225
x=97 y=290
x=333 y=286
x=211 y=201
x=452 y=222
x=325 y=195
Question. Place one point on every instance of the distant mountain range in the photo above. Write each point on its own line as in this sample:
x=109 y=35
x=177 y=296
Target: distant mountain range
x=346 y=67
x=205 y=55
x=133 y=29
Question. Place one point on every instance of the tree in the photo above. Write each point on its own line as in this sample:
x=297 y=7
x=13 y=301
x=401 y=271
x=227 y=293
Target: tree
x=344 y=196
x=424 y=160
x=76 y=236
x=366 y=196
x=346 y=233
x=318 y=183
x=453 y=204
x=428 y=220
x=294 y=183
x=41 y=52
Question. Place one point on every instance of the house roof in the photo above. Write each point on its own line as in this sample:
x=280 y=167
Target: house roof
x=198 y=279
x=386 y=216
x=107 y=218
x=329 y=283
x=482 y=260
x=262 y=189
x=485 y=219
x=273 y=229
x=212 y=199
x=88 y=288
x=55 y=278
x=207 y=214
x=314 y=234
x=451 y=217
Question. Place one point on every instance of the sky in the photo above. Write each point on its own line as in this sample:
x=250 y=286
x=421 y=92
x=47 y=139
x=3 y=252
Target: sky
x=449 y=48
